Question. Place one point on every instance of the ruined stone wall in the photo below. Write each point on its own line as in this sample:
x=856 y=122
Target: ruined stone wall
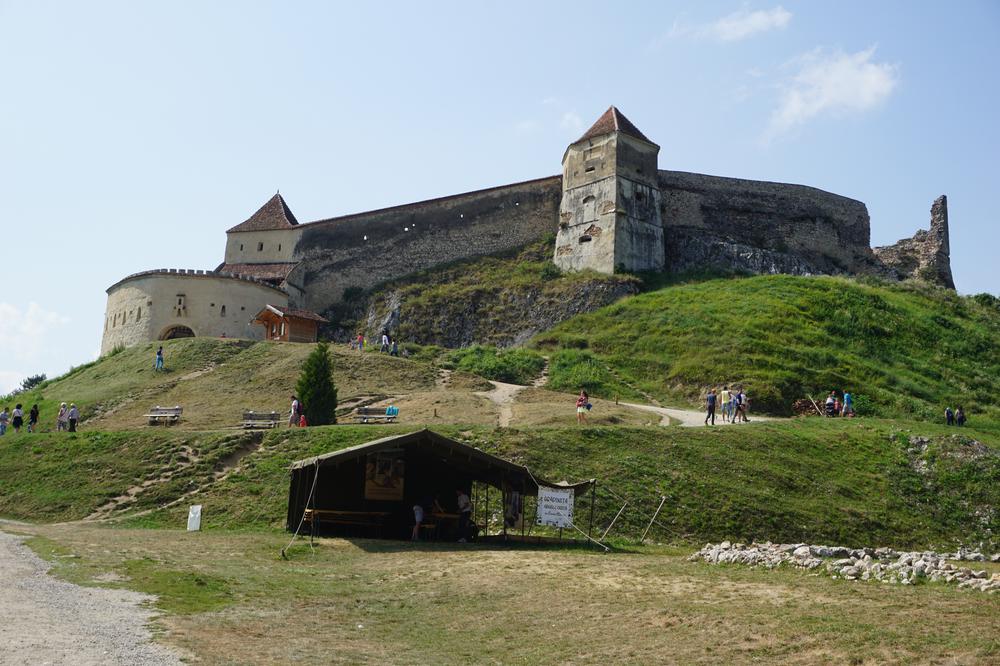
x=927 y=255
x=366 y=249
x=718 y=223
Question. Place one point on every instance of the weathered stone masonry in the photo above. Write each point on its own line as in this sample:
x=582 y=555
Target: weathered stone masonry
x=612 y=210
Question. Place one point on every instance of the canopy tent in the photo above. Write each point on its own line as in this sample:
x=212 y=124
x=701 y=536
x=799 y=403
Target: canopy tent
x=384 y=478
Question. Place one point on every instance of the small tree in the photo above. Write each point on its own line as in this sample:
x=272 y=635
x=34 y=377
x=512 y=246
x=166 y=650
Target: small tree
x=315 y=388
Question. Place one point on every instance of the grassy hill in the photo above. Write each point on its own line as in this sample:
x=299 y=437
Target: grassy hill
x=905 y=349
x=859 y=482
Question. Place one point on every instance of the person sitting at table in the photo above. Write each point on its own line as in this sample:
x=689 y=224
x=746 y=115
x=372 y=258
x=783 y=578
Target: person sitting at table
x=464 y=513
x=427 y=504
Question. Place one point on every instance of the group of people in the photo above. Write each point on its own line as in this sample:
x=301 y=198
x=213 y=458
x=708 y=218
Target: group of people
x=389 y=344
x=66 y=419
x=733 y=405
x=430 y=505
x=835 y=407
x=956 y=417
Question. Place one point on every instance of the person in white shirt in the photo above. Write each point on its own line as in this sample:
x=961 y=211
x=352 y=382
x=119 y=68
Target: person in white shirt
x=293 y=415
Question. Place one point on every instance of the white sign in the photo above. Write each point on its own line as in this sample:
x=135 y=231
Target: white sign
x=555 y=506
x=194 y=518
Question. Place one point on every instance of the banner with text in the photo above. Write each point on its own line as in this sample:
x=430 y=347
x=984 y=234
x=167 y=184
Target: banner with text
x=555 y=506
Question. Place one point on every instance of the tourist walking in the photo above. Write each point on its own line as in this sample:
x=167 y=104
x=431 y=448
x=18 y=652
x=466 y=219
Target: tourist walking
x=17 y=418
x=960 y=416
x=4 y=421
x=848 y=405
x=73 y=416
x=62 y=418
x=394 y=351
x=726 y=399
x=360 y=342
x=33 y=418
x=385 y=342
x=949 y=416
x=741 y=406
x=582 y=402
x=710 y=406
x=293 y=415
x=158 y=361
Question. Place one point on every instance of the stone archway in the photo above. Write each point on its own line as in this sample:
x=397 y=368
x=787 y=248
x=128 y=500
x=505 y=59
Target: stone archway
x=176 y=331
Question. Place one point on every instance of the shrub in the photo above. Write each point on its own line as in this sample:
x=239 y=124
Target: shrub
x=864 y=405
x=515 y=366
x=315 y=388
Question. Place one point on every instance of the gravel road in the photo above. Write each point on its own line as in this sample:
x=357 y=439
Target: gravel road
x=44 y=620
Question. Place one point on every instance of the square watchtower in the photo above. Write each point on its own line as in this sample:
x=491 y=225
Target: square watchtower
x=609 y=218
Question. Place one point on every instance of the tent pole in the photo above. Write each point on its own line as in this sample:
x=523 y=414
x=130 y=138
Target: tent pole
x=522 y=508
x=653 y=519
x=486 y=518
x=504 y=498
x=593 y=496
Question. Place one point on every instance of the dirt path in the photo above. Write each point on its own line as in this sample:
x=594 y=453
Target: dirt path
x=47 y=621
x=503 y=395
x=688 y=417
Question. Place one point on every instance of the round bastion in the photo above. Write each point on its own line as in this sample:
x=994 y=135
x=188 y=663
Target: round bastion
x=175 y=303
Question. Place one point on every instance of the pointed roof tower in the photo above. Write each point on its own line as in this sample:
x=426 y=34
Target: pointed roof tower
x=275 y=214
x=613 y=120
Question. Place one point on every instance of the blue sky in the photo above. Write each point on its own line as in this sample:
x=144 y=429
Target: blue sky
x=133 y=134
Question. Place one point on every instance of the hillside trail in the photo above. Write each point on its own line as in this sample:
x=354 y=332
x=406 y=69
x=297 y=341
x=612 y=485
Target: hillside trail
x=689 y=418
x=503 y=395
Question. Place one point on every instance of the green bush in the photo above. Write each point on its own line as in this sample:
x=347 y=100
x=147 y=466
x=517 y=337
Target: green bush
x=515 y=366
x=316 y=390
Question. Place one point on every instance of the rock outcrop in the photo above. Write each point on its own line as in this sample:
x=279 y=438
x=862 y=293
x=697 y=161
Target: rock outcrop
x=925 y=256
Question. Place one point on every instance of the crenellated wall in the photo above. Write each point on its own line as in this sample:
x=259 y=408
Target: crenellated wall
x=146 y=306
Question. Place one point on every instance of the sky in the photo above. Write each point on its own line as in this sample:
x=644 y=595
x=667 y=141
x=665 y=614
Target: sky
x=133 y=134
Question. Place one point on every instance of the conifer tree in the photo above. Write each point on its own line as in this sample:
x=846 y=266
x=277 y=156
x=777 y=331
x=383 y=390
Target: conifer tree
x=315 y=388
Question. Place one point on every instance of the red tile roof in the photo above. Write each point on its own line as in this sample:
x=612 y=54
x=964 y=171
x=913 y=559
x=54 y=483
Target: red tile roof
x=276 y=272
x=613 y=120
x=285 y=311
x=275 y=214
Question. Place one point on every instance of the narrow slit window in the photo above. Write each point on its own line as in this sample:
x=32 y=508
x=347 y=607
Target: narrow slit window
x=589 y=169
x=222 y=311
x=586 y=238
x=260 y=247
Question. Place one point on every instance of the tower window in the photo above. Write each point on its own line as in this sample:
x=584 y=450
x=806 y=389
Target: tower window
x=138 y=314
x=222 y=311
x=241 y=247
x=279 y=247
x=260 y=247
x=589 y=169
x=585 y=238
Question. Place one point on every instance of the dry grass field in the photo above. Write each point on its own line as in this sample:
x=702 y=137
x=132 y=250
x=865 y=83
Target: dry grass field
x=229 y=598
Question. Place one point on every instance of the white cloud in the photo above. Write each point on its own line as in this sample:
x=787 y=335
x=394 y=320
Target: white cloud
x=24 y=341
x=831 y=83
x=730 y=28
x=528 y=126
x=742 y=24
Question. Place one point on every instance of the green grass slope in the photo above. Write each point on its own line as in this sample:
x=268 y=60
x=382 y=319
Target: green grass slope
x=910 y=350
x=858 y=482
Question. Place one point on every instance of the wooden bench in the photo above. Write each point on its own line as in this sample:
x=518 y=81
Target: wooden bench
x=376 y=414
x=365 y=519
x=164 y=415
x=252 y=420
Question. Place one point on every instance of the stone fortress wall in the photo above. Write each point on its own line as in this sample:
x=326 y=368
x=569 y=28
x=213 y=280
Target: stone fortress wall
x=369 y=248
x=611 y=209
x=158 y=304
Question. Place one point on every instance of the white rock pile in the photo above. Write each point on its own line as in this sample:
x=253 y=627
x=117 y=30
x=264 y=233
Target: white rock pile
x=879 y=564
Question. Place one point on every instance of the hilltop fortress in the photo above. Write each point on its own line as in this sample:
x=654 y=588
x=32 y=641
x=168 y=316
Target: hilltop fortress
x=612 y=210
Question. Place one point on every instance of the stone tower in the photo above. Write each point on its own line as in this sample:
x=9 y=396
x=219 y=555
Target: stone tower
x=609 y=218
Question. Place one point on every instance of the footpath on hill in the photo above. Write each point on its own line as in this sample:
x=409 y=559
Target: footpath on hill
x=44 y=620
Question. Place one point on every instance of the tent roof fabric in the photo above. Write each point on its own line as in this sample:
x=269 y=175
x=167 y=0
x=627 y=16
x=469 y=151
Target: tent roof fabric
x=456 y=452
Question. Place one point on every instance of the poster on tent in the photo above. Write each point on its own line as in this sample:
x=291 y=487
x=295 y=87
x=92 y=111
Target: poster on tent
x=555 y=506
x=384 y=475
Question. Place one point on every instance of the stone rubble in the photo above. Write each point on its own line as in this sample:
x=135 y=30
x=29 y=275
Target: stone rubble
x=879 y=564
